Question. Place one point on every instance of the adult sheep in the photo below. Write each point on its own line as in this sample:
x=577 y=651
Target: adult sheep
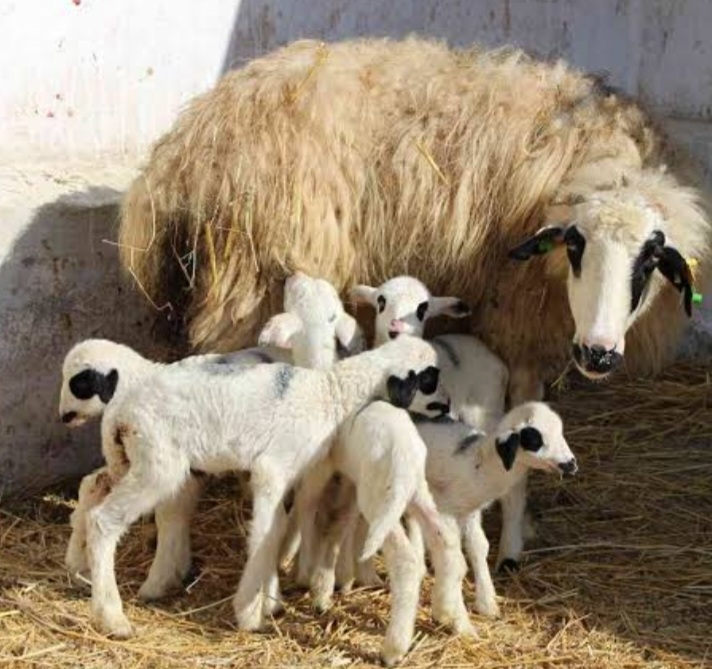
x=361 y=160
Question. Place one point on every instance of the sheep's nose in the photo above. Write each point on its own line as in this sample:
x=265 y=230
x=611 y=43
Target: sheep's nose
x=69 y=416
x=569 y=468
x=597 y=358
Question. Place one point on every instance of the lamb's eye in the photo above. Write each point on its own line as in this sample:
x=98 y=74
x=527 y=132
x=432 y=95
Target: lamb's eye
x=332 y=318
x=381 y=303
x=420 y=311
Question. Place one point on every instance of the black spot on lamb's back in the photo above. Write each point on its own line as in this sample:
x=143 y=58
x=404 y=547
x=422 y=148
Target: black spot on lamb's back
x=449 y=351
x=283 y=380
x=467 y=442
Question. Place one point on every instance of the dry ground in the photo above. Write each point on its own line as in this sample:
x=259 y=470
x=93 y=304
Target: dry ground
x=620 y=576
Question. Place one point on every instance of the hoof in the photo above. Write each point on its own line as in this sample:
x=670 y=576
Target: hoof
x=487 y=607
x=116 y=626
x=508 y=566
x=250 y=618
x=392 y=654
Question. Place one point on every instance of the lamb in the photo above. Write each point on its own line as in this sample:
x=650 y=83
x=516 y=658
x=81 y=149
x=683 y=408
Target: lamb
x=474 y=378
x=383 y=458
x=92 y=371
x=198 y=417
x=468 y=470
x=95 y=373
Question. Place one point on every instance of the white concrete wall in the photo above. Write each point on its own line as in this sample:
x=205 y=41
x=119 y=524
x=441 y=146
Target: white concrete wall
x=88 y=84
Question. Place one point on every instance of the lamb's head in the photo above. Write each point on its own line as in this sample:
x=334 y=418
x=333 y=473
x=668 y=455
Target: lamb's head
x=403 y=305
x=532 y=435
x=90 y=375
x=413 y=378
x=614 y=241
x=314 y=324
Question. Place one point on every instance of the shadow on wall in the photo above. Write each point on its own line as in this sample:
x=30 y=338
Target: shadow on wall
x=59 y=284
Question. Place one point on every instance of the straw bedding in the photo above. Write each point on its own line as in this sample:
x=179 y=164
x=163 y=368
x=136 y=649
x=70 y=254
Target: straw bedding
x=619 y=577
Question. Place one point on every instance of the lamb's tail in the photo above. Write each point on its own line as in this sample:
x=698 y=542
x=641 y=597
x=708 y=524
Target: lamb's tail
x=386 y=499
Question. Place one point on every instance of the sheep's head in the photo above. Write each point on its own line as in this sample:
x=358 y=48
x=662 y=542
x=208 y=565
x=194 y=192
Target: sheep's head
x=614 y=243
x=533 y=436
x=314 y=324
x=89 y=380
x=413 y=380
x=403 y=305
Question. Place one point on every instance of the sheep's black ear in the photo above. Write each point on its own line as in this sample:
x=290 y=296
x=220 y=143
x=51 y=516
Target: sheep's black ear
x=507 y=449
x=428 y=380
x=108 y=386
x=542 y=242
x=88 y=383
x=676 y=270
x=402 y=391
x=530 y=439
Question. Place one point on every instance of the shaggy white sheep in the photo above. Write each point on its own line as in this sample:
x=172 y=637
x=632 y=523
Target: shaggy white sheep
x=200 y=417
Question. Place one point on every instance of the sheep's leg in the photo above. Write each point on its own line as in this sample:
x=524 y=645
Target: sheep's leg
x=511 y=543
x=442 y=537
x=332 y=533
x=92 y=491
x=477 y=547
x=366 y=573
x=405 y=574
x=415 y=534
x=173 y=555
x=306 y=504
x=131 y=497
x=344 y=570
x=263 y=548
x=292 y=539
x=524 y=386
x=272 y=603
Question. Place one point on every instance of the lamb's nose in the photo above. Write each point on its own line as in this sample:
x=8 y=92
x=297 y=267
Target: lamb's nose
x=569 y=468
x=69 y=416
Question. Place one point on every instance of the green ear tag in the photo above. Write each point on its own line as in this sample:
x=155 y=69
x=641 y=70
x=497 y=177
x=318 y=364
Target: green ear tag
x=697 y=298
x=545 y=246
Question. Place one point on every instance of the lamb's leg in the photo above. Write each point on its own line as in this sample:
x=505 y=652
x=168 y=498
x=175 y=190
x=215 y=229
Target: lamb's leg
x=477 y=547
x=306 y=504
x=131 y=497
x=366 y=573
x=511 y=542
x=292 y=539
x=92 y=490
x=173 y=555
x=263 y=547
x=405 y=574
x=525 y=385
x=442 y=537
x=272 y=603
x=332 y=530
x=346 y=560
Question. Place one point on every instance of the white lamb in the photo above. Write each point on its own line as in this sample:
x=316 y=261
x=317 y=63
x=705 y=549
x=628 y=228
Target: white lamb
x=97 y=371
x=467 y=471
x=275 y=421
x=381 y=454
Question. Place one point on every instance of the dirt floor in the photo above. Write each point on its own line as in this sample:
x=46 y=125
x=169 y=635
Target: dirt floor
x=619 y=577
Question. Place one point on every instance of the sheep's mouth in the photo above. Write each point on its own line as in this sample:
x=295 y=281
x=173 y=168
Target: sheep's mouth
x=73 y=419
x=591 y=375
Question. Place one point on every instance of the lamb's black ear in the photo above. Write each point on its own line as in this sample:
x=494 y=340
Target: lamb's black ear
x=507 y=449
x=542 y=242
x=676 y=270
x=428 y=380
x=108 y=386
x=86 y=384
x=402 y=391
x=530 y=439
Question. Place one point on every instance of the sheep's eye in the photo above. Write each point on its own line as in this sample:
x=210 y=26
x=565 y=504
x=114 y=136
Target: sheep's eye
x=643 y=267
x=420 y=311
x=381 y=303
x=332 y=318
x=575 y=246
